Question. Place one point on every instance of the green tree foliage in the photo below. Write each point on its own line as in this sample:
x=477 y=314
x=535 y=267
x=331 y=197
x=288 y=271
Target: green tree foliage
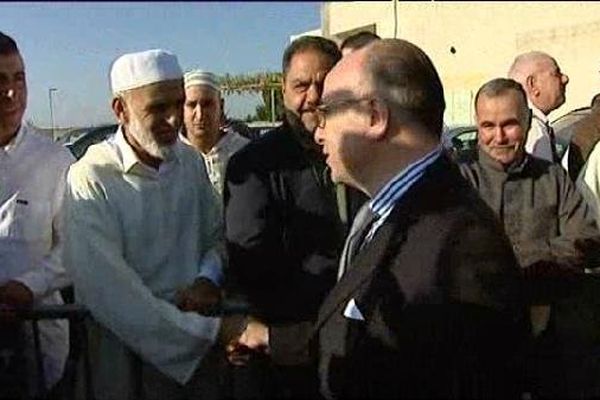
x=262 y=83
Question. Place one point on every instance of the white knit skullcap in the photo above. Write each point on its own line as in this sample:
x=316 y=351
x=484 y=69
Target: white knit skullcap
x=200 y=77
x=134 y=70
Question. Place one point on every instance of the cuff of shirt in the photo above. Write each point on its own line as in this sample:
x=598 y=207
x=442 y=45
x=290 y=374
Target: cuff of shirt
x=211 y=268
x=34 y=281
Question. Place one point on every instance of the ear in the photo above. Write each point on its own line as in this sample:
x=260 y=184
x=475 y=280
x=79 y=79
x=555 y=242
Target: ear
x=530 y=85
x=528 y=125
x=120 y=109
x=379 y=119
x=283 y=84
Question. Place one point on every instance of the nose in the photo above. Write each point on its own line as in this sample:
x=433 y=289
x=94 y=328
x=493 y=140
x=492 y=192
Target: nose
x=174 y=119
x=313 y=95
x=499 y=135
x=319 y=136
x=198 y=112
x=565 y=79
x=10 y=93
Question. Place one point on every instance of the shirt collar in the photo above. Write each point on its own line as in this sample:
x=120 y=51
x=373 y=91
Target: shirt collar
x=537 y=113
x=16 y=140
x=515 y=168
x=227 y=138
x=130 y=160
x=382 y=203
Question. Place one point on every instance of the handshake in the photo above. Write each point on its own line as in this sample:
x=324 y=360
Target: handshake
x=243 y=337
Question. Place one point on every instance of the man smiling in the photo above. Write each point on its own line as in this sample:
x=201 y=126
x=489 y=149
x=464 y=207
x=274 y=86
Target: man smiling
x=551 y=228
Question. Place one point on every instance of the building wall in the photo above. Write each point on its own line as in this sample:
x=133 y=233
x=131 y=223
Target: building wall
x=472 y=42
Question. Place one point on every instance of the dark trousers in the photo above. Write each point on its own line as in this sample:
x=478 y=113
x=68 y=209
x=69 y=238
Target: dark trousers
x=262 y=379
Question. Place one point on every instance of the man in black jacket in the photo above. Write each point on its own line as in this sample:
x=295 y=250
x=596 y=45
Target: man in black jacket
x=283 y=230
x=428 y=301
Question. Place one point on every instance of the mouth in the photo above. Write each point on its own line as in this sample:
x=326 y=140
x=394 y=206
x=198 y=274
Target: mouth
x=504 y=147
x=9 y=109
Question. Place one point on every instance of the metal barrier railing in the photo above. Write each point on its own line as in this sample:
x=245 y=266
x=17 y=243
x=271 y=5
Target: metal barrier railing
x=77 y=314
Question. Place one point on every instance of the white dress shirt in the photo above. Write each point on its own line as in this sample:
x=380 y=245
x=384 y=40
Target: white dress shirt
x=217 y=158
x=538 y=141
x=32 y=182
x=135 y=235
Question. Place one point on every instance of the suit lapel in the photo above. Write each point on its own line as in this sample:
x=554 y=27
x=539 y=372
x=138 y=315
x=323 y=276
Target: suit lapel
x=389 y=235
x=437 y=180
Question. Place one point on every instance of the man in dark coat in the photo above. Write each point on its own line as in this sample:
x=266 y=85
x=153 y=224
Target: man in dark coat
x=427 y=305
x=283 y=229
x=552 y=229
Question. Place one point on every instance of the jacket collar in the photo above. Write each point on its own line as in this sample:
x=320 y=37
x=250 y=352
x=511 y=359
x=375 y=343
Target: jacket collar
x=514 y=169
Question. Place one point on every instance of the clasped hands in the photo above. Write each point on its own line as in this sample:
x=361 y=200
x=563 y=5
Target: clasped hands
x=243 y=338
x=202 y=296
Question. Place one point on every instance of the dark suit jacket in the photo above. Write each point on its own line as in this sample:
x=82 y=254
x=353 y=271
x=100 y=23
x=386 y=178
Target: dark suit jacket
x=438 y=288
x=283 y=235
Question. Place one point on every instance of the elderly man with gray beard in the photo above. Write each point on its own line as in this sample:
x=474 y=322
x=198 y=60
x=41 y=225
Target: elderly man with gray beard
x=143 y=233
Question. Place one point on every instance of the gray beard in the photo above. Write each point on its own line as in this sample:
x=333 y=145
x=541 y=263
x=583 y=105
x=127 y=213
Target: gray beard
x=147 y=142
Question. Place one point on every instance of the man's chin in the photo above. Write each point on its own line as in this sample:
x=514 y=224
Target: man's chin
x=309 y=122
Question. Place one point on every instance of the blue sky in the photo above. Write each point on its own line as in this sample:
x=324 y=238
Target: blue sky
x=70 y=46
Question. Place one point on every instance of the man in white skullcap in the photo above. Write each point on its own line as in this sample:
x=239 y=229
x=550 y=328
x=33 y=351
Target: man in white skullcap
x=144 y=243
x=202 y=116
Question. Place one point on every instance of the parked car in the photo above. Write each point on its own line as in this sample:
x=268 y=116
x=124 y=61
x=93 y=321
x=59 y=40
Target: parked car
x=72 y=136
x=90 y=137
x=261 y=127
x=461 y=140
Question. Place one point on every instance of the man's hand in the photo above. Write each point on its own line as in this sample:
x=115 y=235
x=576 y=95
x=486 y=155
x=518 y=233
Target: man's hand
x=13 y=295
x=16 y=294
x=201 y=296
x=254 y=339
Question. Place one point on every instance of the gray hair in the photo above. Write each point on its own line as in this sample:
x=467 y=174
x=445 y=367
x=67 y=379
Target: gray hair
x=526 y=64
x=499 y=87
x=407 y=80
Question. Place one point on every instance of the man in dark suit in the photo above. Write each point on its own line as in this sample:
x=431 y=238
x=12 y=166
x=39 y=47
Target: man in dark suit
x=283 y=230
x=428 y=302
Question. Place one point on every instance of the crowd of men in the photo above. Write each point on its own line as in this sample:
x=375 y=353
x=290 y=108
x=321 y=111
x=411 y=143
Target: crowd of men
x=373 y=263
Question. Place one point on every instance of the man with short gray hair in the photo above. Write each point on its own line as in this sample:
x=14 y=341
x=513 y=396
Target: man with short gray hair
x=544 y=85
x=144 y=226
x=551 y=228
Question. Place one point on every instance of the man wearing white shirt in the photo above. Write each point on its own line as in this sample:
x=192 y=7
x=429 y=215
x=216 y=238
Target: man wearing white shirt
x=202 y=114
x=32 y=180
x=545 y=86
x=144 y=226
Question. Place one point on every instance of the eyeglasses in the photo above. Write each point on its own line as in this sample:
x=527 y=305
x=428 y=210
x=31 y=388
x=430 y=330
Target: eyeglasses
x=324 y=109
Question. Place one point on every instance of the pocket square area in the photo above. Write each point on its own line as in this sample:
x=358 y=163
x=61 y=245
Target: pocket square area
x=352 y=312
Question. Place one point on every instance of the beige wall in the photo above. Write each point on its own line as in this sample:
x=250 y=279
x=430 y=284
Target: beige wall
x=486 y=37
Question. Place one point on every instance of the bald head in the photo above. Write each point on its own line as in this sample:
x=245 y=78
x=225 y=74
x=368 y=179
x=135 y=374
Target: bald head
x=541 y=78
x=528 y=63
